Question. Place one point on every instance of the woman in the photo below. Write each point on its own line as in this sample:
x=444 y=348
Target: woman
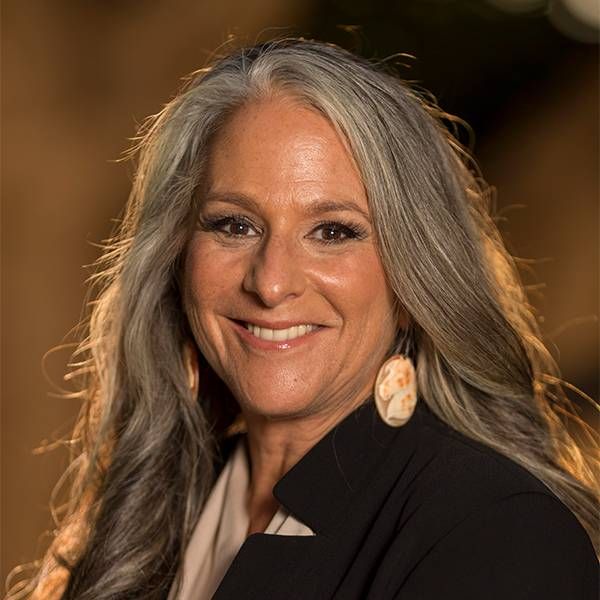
x=311 y=369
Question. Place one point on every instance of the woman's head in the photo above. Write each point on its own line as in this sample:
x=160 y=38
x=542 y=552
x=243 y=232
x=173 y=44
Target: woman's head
x=431 y=279
x=284 y=248
x=438 y=249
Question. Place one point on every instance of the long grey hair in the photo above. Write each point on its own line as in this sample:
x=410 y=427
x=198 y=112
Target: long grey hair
x=146 y=445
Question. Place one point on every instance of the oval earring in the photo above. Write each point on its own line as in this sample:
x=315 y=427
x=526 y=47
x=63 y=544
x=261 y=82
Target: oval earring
x=396 y=390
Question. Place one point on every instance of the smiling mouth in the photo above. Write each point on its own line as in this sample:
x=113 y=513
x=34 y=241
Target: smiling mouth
x=279 y=335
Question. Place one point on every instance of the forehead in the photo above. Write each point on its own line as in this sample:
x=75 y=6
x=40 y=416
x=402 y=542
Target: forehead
x=278 y=148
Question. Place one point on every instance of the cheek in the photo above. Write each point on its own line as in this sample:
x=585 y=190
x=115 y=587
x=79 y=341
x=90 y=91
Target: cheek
x=208 y=278
x=356 y=285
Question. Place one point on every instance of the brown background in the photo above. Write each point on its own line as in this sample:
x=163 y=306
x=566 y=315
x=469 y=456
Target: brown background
x=78 y=76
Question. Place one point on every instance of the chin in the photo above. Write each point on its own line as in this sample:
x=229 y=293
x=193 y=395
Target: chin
x=279 y=407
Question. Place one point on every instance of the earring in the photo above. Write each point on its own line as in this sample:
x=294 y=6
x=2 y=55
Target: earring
x=190 y=361
x=396 y=390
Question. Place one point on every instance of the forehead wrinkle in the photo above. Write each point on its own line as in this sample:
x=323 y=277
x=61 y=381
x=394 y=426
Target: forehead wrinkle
x=313 y=208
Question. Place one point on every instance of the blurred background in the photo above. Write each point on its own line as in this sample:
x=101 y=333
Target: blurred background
x=78 y=76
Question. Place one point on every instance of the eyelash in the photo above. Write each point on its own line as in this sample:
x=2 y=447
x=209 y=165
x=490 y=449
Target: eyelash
x=351 y=231
x=217 y=223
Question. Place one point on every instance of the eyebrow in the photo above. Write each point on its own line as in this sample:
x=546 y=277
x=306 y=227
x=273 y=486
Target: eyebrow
x=314 y=208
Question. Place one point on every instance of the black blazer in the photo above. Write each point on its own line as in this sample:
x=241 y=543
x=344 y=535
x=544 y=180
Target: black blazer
x=417 y=512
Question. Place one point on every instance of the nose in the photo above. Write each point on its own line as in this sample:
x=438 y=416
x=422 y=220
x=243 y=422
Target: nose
x=275 y=272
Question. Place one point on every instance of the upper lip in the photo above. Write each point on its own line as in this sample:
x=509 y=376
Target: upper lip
x=282 y=324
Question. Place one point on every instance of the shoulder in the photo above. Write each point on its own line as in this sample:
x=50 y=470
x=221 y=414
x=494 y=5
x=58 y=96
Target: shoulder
x=474 y=516
x=460 y=480
x=523 y=546
x=468 y=471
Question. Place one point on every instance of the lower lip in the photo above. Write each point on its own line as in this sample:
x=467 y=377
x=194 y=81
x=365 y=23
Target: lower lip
x=261 y=344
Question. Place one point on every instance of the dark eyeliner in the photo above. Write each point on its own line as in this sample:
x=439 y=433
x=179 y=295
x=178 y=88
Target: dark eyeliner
x=352 y=231
x=217 y=222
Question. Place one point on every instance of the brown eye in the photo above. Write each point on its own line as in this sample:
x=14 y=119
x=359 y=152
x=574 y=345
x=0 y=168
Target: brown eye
x=237 y=228
x=333 y=232
x=230 y=226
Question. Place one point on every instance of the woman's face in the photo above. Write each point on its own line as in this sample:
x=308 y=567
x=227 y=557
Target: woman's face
x=284 y=288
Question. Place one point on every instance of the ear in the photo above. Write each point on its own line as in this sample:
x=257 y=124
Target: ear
x=190 y=361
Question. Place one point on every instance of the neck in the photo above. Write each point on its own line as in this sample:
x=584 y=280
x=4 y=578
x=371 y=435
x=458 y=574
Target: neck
x=275 y=446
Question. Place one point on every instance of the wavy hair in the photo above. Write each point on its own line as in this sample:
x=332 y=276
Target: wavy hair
x=146 y=445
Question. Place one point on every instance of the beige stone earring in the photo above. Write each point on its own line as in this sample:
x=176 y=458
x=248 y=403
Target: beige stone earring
x=396 y=390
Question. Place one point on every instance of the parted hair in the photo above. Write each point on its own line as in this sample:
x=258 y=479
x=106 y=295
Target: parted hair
x=144 y=446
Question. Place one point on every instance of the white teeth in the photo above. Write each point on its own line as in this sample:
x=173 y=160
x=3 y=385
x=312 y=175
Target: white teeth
x=279 y=335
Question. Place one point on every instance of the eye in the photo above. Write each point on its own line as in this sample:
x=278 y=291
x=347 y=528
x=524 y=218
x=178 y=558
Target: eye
x=235 y=227
x=333 y=232
x=232 y=226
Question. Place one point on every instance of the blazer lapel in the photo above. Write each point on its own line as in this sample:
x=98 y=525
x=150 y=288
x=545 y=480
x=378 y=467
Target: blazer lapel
x=336 y=489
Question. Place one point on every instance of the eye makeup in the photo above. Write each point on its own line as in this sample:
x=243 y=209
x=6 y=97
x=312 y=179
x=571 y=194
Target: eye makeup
x=333 y=230
x=239 y=226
